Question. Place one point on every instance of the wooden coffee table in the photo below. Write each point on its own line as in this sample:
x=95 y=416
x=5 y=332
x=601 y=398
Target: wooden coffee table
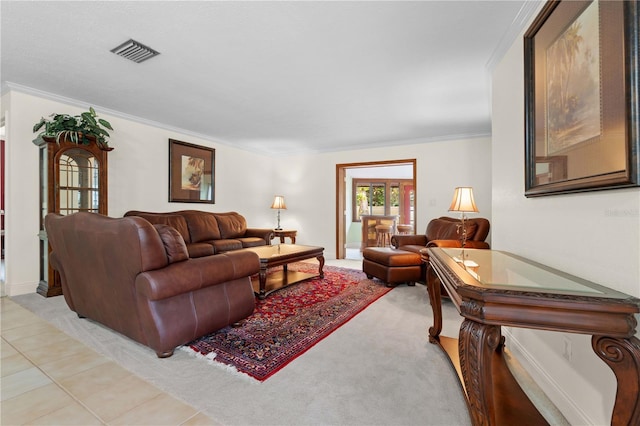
x=282 y=255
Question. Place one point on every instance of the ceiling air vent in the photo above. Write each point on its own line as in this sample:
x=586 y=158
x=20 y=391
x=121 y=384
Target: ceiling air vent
x=134 y=51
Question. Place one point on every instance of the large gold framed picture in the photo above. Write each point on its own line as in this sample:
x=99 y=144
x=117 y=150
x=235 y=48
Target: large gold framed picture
x=581 y=97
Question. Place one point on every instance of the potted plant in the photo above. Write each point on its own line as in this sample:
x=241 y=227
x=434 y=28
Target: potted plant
x=85 y=128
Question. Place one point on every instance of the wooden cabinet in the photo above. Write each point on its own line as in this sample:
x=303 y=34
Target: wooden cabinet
x=73 y=178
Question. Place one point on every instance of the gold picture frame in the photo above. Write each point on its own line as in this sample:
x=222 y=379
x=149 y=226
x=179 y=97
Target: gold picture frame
x=191 y=173
x=581 y=98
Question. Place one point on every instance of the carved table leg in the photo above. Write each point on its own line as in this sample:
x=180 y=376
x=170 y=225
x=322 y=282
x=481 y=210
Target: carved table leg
x=435 y=299
x=476 y=346
x=263 y=280
x=321 y=260
x=623 y=357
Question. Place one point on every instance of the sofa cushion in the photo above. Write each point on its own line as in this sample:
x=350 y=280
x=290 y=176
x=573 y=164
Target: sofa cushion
x=232 y=225
x=251 y=242
x=202 y=226
x=200 y=249
x=173 y=243
x=221 y=246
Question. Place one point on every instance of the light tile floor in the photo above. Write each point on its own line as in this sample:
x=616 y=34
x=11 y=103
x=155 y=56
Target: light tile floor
x=47 y=377
x=50 y=378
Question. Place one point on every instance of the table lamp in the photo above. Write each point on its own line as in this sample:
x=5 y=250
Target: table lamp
x=463 y=202
x=278 y=203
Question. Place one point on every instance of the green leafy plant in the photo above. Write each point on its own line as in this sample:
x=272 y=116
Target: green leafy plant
x=79 y=129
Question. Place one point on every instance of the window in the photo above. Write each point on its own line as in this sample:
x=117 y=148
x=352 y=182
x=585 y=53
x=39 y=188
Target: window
x=381 y=197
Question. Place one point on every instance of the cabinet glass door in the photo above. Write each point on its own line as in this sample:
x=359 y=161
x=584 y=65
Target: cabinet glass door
x=78 y=182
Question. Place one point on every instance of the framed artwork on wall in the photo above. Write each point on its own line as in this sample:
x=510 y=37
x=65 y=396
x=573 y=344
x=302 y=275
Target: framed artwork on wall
x=191 y=173
x=582 y=97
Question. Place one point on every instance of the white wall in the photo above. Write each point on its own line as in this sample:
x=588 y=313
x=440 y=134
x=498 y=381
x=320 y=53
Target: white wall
x=309 y=184
x=245 y=182
x=594 y=235
x=138 y=179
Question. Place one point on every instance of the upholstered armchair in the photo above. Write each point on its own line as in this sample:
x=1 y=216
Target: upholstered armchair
x=406 y=261
x=445 y=232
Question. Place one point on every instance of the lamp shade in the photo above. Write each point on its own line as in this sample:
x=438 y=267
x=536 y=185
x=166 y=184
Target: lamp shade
x=278 y=203
x=463 y=200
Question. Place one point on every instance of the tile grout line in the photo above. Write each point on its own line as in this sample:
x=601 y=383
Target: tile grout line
x=60 y=386
x=54 y=381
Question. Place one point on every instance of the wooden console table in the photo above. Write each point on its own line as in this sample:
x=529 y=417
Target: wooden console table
x=491 y=289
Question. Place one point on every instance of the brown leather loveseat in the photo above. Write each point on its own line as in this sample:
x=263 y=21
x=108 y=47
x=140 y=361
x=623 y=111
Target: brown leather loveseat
x=207 y=233
x=137 y=279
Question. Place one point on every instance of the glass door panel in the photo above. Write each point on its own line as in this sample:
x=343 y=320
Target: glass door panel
x=362 y=201
x=78 y=182
x=377 y=201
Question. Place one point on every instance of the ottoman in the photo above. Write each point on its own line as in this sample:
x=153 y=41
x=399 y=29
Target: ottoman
x=391 y=265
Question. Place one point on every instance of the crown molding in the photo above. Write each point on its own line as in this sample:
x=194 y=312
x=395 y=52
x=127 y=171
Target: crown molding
x=520 y=22
x=9 y=86
x=413 y=141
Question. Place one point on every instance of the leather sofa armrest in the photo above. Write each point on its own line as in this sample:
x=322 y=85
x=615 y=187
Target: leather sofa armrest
x=408 y=240
x=194 y=274
x=456 y=244
x=266 y=234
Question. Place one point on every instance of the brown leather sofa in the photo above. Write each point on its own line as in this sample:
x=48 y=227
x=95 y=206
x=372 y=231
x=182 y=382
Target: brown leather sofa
x=208 y=233
x=137 y=279
x=405 y=262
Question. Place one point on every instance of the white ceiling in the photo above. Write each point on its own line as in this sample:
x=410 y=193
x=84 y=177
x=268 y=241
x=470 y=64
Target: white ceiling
x=271 y=77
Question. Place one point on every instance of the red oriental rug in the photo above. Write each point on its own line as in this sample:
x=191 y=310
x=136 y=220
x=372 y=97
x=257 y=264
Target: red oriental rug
x=290 y=321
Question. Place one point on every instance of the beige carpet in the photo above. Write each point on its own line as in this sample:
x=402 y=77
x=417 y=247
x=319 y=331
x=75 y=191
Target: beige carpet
x=378 y=369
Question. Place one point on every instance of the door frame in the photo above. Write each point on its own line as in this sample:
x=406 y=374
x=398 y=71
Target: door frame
x=341 y=195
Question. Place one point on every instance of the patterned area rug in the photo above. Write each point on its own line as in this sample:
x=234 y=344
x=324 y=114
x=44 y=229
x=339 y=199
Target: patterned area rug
x=290 y=321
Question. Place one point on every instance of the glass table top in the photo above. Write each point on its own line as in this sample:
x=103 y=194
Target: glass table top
x=496 y=269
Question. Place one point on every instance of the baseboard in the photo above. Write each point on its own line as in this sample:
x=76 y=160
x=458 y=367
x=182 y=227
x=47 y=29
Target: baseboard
x=553 y=392
x=536 y=395
x=18 y=289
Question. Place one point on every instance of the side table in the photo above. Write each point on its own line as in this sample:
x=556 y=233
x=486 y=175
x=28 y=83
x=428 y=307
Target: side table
x=291 y=233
